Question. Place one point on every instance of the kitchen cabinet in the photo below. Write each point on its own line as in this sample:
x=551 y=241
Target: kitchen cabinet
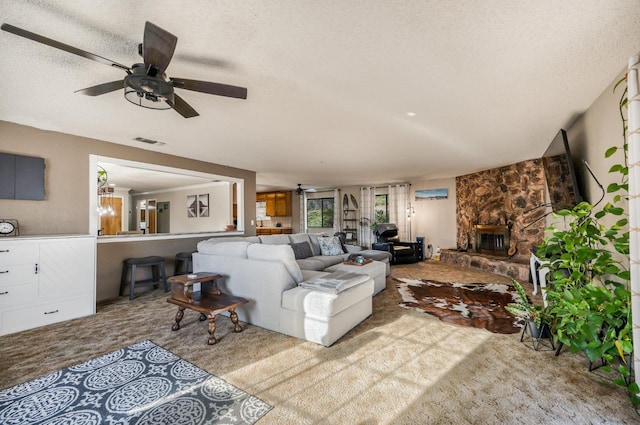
x=261 y=231
x=278 y=204
x=45 y=280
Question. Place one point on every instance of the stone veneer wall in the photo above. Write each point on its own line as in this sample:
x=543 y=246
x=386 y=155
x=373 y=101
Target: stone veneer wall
x=504 y=267
x=503 y=196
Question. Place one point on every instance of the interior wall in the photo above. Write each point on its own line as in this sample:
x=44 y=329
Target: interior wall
x=66 y=209
x=219 y=208
x=66 y=205
x=110 y=256
x=591 y=134
x=435 y=220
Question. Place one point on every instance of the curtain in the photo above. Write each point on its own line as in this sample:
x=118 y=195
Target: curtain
x=398 y=204
x=367 y=214
x=336 y=211
x=303 y=213
x=633 y=95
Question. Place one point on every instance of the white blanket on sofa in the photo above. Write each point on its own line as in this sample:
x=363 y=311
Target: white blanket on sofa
x=335 y=282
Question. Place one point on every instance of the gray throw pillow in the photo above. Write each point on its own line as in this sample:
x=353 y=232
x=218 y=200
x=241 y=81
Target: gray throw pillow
x=302 y=250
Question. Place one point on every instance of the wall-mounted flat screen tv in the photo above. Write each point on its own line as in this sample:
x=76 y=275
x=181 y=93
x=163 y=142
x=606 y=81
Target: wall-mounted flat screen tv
x=21 y=177
x=560 y=175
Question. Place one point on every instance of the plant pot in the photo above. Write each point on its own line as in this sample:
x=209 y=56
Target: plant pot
x=538 y=332
x=534 y=336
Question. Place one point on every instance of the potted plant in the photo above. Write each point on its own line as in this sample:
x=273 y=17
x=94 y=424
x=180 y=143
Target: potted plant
x=535 y=315
x=588 y=287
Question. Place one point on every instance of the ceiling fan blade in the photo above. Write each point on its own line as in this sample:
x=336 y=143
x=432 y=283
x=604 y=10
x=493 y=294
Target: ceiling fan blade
x=102 y=88
x=182 y=107
x=58 y=45
x=210 y=88
x=158 y=47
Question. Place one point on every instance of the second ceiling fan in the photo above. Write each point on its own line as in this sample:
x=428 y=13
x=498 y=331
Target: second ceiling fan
x=145 y=84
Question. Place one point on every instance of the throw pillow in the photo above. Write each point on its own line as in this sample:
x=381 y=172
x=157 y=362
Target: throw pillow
x=330 y=245
x=301 y=250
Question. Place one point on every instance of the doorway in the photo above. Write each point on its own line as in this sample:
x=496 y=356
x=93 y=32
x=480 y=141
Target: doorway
x=111 y=222
x=164 y=217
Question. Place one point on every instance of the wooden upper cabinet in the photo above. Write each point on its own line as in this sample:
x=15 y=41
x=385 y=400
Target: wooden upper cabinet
x=270 y=198
x=283 y=204
x=278 y=204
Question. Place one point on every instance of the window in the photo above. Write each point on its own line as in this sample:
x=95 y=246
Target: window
x=320 y=212
x=382 y=209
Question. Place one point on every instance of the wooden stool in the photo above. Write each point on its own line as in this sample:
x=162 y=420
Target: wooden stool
x=183 y=263
x=129 y=268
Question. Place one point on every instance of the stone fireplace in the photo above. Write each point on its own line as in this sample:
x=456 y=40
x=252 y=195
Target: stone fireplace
x=498 y=218
x=492 y=240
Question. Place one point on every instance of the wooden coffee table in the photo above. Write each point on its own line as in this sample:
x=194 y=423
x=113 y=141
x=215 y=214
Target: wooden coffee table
x=209 y=301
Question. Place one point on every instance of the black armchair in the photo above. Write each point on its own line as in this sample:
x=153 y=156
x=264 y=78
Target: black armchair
x=387 y=240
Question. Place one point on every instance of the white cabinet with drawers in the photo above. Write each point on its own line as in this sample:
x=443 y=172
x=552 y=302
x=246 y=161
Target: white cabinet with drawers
x=44 y=280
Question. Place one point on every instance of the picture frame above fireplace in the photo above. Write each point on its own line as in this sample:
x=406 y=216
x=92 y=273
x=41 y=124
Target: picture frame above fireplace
x=432 y=194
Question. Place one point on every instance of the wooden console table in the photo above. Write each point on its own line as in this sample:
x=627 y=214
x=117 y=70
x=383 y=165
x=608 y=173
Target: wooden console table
x=209 y=301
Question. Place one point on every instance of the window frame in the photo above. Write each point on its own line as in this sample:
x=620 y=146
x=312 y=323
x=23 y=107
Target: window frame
x=377 y=208
x=323 y=214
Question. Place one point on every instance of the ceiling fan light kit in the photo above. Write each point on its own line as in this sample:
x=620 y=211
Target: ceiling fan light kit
x=146 y=84
x=147 y=91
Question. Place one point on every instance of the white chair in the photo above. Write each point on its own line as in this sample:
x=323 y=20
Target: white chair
x=539 y=272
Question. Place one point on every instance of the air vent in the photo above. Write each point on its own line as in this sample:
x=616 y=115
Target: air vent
x=148 y=141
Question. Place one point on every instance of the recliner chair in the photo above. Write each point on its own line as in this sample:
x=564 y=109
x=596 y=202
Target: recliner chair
x=387 y=240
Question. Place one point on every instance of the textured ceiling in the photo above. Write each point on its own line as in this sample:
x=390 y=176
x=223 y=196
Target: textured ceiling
x=329 y=82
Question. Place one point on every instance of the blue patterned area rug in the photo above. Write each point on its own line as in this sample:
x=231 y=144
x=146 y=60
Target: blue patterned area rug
x=140 y=384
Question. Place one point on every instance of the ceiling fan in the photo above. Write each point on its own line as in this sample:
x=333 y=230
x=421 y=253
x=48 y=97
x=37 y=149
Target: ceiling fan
x=145 y=84
x=300 y=190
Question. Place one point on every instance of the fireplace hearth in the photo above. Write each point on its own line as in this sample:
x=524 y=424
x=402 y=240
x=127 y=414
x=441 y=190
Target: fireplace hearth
x=492 y=240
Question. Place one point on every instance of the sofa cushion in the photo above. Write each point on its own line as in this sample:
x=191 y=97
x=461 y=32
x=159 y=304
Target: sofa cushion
x=315 y=245
x=212 y=241
x=335 y=282
x=282 y=253
x=228 y=249
x=300 y=237
x=311 y=263
x=330 y=260
x=330 y=245
x=274 y=239
x=301 y=250
x=375 y=254
x=325 y=304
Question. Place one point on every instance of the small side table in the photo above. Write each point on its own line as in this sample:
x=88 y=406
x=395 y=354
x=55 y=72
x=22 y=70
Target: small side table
x=209 y=301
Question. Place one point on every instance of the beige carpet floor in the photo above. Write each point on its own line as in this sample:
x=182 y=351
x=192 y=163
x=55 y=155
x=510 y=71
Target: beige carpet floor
x=397 y=367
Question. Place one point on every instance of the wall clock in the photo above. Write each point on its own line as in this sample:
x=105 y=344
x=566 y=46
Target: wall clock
x=9 y=227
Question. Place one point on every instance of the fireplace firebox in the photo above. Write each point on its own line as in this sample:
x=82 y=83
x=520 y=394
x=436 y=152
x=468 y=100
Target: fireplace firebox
x=492 y=240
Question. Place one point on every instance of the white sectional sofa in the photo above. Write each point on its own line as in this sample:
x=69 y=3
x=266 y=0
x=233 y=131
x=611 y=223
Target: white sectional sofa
x=316 y=260
x=268 y=275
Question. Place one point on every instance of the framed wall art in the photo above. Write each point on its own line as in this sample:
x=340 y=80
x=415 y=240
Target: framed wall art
x=432 y=194
x=203 y=205
x=192 y=206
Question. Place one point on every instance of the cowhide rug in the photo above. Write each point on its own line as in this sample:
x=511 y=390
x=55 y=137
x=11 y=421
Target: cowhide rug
x=475 y=305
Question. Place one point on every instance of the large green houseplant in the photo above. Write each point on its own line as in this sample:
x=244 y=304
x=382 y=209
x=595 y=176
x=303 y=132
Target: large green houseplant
x=589 y=282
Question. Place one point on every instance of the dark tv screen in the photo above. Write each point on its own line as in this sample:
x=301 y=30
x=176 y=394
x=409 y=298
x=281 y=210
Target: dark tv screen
x=21 y=177
x=560 y=175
